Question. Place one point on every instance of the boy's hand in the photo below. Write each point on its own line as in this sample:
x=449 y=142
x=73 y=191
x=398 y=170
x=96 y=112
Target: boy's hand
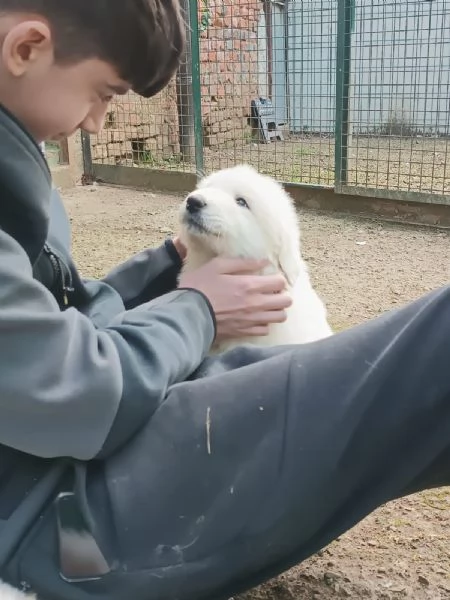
x=180 y=247
x=244 y=302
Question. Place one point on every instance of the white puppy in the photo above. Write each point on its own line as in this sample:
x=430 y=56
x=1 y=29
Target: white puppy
x=238 y=212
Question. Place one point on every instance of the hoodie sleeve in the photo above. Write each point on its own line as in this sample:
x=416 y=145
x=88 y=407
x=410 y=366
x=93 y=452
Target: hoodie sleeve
x=147 y=275
x=70 y=389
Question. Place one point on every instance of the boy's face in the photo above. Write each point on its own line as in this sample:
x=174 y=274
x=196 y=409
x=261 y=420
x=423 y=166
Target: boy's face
x=51 y=101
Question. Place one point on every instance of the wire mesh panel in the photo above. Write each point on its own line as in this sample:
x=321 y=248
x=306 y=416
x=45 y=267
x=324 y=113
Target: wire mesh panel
x=144 y=133
x=259 y=77
x=350 y=93
x=163 y=132
x=267 y=71
x=396 y=129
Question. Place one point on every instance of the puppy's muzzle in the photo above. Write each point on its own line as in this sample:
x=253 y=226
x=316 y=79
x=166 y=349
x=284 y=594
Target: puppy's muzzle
x=194 y=204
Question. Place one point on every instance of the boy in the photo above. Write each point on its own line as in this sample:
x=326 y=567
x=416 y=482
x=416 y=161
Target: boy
x=130 y=466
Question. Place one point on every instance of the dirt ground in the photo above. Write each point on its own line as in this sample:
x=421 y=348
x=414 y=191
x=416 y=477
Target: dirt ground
x=361 y=268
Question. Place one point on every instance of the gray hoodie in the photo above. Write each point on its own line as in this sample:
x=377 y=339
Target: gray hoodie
x=84 y=364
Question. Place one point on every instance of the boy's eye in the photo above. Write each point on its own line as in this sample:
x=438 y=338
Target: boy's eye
x=106 y=98
x=242 y=202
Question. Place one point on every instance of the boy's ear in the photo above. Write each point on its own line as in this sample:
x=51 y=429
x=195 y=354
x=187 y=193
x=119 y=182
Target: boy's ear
x=26 y=44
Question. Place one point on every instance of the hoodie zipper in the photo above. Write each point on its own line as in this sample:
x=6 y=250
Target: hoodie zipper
x=63 y=276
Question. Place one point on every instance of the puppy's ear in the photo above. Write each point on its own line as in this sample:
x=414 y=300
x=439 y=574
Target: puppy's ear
x=288 y=259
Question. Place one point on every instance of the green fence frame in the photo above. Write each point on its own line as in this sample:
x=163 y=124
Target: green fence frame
x=343 y=56
x=196 y=87
x=346 y=23
x=346 y=17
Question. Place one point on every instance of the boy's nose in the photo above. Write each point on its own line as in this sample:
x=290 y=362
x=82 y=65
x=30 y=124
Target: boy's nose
x=93 y=123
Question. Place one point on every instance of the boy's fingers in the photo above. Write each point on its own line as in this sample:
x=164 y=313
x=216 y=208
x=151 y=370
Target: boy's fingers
x=266 y=284
x=233 y=266
x=257 y=330
x=276 y=302
x=262 y=319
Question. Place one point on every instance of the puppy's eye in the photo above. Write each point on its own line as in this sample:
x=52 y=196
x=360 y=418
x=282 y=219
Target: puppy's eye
x=242 y=202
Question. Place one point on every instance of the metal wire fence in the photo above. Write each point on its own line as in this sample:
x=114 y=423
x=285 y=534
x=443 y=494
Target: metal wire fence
x=352 y=94
x=395 y=115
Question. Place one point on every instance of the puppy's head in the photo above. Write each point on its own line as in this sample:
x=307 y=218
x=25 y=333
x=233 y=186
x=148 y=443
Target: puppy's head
x=238 y=212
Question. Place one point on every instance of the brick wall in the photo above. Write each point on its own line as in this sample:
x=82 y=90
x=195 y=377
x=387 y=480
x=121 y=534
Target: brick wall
x=147 y=131
x=228 y=51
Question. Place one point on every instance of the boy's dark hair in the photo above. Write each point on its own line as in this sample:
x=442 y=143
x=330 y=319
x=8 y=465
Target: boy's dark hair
x=143 y=39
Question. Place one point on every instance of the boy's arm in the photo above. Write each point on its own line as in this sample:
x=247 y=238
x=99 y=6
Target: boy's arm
x=147 y=275
x=69 y=389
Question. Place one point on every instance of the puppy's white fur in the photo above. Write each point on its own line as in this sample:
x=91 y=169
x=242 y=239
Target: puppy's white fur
x=9 y=593
x=267 y=228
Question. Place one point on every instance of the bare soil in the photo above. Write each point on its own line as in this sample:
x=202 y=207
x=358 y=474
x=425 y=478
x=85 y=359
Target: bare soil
x=361 y=268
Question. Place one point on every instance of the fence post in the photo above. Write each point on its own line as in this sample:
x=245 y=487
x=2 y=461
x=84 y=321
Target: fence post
x=343 y=56
x=196 y=87
x=88 y=169
x=185 y=98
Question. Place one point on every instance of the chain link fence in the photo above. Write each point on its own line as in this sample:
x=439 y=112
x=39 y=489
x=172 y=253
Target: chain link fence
x=352 y=94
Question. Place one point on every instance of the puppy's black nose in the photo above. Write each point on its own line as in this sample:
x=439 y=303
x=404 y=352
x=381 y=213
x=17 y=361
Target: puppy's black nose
x=194 y=204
